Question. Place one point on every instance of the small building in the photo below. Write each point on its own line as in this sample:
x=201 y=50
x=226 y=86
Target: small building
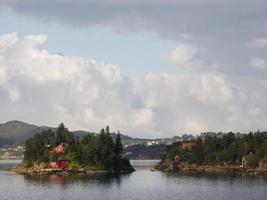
x=177 y=159
x=59 y=149
x=190 y=143
x=5 y=155
x=59 y=164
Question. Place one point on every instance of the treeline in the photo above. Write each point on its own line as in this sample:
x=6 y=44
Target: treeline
x=228 y=149
x=97 y=151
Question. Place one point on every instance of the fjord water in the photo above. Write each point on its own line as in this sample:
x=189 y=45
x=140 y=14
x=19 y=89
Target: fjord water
x=142 y=184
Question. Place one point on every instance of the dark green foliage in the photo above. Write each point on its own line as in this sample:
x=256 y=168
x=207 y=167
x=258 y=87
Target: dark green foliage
x=94 y=151
x=118 y=149
x=260 y=155
x=37 y=147
x=66 y=138
x=104 y=144
x=228 y=149
x=87 y=151
x=118 y=160
x=174 y=149
x=196 y=156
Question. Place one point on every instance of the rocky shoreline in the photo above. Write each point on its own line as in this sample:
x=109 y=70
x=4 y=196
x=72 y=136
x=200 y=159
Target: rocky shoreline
x=173 y=167
x=42 y=170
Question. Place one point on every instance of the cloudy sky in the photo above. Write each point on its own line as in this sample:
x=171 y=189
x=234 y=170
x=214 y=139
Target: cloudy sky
x=149 y=68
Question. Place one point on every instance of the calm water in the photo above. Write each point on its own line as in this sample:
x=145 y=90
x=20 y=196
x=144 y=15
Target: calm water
x=142 y=184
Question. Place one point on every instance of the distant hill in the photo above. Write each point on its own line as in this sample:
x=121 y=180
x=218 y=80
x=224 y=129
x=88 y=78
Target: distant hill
x=18 y=131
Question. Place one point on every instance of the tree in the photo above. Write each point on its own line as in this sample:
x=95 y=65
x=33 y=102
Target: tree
x=107 y=129
x=37 y=147
x=60 y=134
x=86 y=151
x=65 y=137
x=104 y=148
x=118 y=150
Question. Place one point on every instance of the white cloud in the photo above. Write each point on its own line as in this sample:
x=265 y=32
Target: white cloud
x=255 y=112
x=194 y=126
x=14 y=94
x=41 y=87
x=259 y=63
x=3 y=70
x=8 y=40
x=183 y=57
x=144 y=117
x=211 y=88
x=218 y=27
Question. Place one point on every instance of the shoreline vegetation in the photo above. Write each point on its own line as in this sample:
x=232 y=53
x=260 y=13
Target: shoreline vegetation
x=230 y=153
x=62 y=152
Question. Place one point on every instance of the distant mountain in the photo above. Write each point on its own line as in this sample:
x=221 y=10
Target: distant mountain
x=18 y=131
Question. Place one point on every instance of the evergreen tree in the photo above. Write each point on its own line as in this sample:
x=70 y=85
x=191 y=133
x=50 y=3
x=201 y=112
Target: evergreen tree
x=65 y=137
x=60 y=134
x=118 y=150
x=105 y=147
x=107 y=130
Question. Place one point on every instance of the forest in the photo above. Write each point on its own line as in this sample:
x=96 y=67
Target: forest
x=226 y=150
x=93 y=151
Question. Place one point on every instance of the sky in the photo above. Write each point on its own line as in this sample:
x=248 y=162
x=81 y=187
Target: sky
x=148 y=68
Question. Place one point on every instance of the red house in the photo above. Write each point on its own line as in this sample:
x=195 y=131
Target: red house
x=59 y=149
x=177 y=158
x=190 y=143
x=59 y=164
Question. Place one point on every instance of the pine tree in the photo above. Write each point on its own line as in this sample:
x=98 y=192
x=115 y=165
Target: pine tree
x=118 y=146
x=60 y=134
x=107 y=129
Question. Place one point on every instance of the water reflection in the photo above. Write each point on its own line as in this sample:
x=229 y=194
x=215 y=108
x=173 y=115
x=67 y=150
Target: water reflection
x=66 y=179
x=142 y=184
x=212 y=176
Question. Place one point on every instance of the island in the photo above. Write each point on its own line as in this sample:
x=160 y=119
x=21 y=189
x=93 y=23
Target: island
x=231 y=152
x=62 y=152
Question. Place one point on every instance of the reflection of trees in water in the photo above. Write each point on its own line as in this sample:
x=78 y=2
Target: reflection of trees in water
x=58 y=179
x=216 y=177
x=68 y=179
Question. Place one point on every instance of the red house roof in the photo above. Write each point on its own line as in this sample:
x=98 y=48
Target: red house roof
x=189 y=144
x=59 y=164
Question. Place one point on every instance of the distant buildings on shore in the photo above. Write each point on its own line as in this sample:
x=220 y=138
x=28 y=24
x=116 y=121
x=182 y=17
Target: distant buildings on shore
x=12 y=152
x=182 y=138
